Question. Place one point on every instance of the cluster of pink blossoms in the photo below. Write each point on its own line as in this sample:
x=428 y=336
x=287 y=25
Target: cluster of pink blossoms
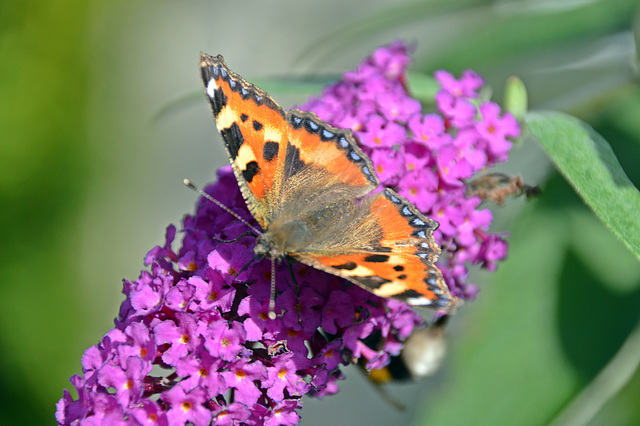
x=427 y=157
x=193 y=342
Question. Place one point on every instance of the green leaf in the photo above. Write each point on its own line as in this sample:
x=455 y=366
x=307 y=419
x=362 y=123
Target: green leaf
x=588 y=163
x=589 y=246
x=423 y=87
x=515 y=98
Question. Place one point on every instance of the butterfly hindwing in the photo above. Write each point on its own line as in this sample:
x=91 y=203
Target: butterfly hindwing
x=399 y=263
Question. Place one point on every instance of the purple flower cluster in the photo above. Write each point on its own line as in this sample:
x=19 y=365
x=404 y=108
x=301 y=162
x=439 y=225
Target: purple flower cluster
x=193 y=342
x=428 y=157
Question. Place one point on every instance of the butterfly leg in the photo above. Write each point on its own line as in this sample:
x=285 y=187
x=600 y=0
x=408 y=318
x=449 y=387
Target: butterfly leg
x=296 y=289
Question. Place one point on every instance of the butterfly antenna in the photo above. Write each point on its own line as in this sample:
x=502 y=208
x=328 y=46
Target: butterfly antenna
x=272 y=299
x=244 y=268
x=188 y=183
x=233 y=240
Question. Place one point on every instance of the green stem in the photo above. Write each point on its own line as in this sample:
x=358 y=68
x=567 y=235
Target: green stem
x=613 y=377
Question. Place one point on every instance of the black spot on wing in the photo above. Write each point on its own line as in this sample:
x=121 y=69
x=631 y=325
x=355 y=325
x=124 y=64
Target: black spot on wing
x=311 y=126
x=442 y=301
x=409 y=294
x=218 y=101
x=244 y=117
x=270 y=150
x=257 y=126
x=402 y=277
x=233 y=139
x=372 y=281
x=349 y=266
x=398 y=268
x=295 y=121
x=377 y=258
x=293 y=163
x=377 y=248
x=250 y=171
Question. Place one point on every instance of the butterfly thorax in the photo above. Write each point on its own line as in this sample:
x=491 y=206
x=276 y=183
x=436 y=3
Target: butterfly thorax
x=278 y=241
x=305 y=221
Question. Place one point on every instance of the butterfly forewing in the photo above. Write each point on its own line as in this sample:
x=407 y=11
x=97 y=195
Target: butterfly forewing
x=254 y=130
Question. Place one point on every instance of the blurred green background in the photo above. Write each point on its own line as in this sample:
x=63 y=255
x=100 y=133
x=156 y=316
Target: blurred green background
x=91 y=174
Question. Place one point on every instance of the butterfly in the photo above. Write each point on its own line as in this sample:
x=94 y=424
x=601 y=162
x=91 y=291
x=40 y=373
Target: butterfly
x=316 y=196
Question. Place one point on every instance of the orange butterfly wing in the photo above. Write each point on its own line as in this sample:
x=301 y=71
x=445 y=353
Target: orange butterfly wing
x=400 y=264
